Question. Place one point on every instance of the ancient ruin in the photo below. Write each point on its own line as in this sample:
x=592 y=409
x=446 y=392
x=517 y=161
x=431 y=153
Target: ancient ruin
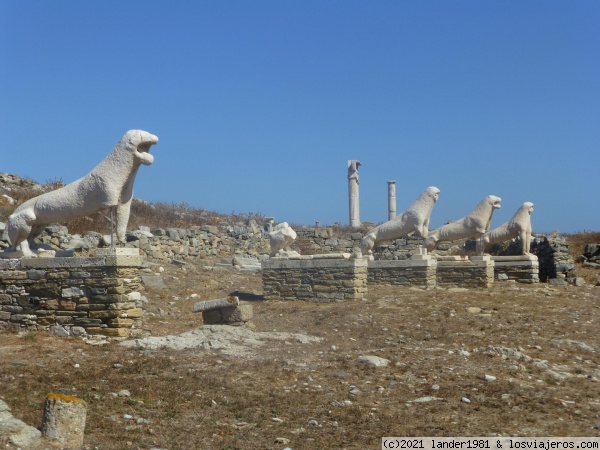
x=414 y=220
x=519 y=226
x=108 y=185
x=353 y=166
x=280 y=239
x=391 y=200
x=475 y=224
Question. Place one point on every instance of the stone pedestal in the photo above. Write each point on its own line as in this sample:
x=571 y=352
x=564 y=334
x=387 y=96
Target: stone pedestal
x=419 y=272
x=523 y=268
x=64 y=420
x=99 y=294
x=315 y=278
x=457 y=271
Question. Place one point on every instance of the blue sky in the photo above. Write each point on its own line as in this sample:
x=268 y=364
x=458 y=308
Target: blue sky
x=258 y=105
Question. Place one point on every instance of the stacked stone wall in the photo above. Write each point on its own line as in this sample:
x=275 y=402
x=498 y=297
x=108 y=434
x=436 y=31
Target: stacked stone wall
x=318 y=241
x=314 y=280
x=465 y=273
x=96 y=295
x=420 y=273
x=522 y=269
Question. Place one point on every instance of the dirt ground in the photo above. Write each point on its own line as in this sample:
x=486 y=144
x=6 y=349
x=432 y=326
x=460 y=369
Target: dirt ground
x=514 y=360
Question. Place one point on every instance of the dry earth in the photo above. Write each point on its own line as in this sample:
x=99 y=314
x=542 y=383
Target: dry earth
x=540 y=344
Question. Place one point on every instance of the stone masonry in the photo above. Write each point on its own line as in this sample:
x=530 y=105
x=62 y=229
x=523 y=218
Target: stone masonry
x=521 y=268
x=97 y=294
x=463 y=272
x=417 y=273
x=319 y=278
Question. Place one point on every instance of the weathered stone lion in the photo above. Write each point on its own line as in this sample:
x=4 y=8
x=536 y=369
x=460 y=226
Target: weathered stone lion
x=471 y=226
x=280 y=239
x=414 y=219
x=109 y=184
x=519 y=225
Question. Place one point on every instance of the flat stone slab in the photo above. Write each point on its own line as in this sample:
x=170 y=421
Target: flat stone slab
x=285 y=263
x=71 y=262
x=390 y=263
x=237 y=341
x=338 y=255
x=153 y=281
x=208 y=305
x=451 y=258
x=117 y=252
x=515 y=258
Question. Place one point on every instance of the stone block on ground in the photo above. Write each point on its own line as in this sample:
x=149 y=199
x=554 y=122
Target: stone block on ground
x=240 y=314
x=153 y=281
x=64 y=419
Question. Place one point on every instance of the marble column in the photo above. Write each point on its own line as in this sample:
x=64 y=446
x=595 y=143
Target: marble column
x=353 y=166
x=391 y=199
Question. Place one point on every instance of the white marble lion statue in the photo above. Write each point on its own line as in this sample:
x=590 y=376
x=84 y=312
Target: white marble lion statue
x=108 y=185
x=280 y=239
x=519 y=225
x=473 y=225
x=414 y=219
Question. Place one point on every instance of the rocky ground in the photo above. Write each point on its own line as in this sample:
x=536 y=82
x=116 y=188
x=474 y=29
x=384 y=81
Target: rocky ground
x=514 y=360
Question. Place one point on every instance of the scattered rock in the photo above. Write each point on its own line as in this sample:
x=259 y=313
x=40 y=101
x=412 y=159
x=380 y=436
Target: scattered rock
x=153 y=281
x=59 y=330
x=341 y=374
x=374 y=361
x=424 y=399
x=341 y=404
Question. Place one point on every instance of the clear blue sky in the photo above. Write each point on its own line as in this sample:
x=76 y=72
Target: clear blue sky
x=258 y=105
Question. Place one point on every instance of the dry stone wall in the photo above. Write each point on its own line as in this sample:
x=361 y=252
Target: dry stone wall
x=522 y=269
x=77 y=296
x=464 y=272
x=403 y=273
x=314 y=279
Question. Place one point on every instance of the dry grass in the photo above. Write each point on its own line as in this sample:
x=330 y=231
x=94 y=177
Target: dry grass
x=151 y=214
x=578 y=241
x=206 y=400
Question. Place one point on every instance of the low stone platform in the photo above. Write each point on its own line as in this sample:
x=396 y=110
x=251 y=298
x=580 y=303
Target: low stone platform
x=522 y=268
x=98 y=294
x=458 y=271
x=315 y=278
x=411 y=272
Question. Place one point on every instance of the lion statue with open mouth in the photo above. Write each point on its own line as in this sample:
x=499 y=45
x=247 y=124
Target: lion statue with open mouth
x=108 y=185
